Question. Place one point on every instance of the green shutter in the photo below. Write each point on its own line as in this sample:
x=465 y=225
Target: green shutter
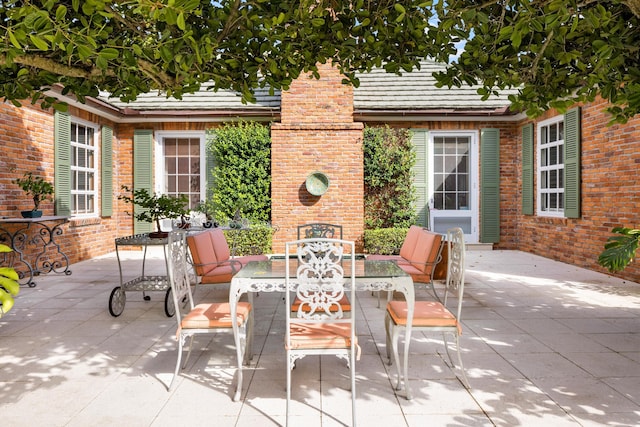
x=419 y=139
x=142 y=171
x=490 y=185
x=208 y=173
x=572 y=163
x=106 y=180
x=62 y=183
x=527 y=169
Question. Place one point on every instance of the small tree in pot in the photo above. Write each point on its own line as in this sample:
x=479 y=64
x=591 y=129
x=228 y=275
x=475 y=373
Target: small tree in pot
x=154 y=207
x=39 y=190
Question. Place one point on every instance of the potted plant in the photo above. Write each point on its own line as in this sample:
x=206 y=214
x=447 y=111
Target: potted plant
x=38 y=189
x=154 y=207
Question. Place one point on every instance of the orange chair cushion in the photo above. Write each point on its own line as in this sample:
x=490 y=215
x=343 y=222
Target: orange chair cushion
x=426 y=251
x=214 y=315
x=426 y=313
x=320 y=335
x=210 y=254
x=410 y=242
x=202 y=253
x=222 y=273
x=220 y=245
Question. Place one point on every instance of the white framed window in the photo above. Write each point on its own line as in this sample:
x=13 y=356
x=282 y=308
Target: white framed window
x=550 y=171
x=180 y=164
x=84 y=168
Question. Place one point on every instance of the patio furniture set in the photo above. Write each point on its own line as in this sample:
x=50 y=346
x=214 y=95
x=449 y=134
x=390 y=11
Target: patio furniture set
x=319 y=277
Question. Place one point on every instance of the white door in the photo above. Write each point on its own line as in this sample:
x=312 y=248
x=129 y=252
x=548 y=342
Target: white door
x=453 y=186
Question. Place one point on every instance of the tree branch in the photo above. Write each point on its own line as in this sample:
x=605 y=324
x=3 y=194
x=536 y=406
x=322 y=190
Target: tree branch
x=51 y=65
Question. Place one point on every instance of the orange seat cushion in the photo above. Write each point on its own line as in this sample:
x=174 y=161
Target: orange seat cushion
x=426 y=313
x=320 y=335
x=410 y=242
x=214 y=315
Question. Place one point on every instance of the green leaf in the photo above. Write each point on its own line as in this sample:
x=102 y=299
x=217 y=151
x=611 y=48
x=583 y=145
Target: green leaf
x=39 y=42
x=61 y=12
x=180 y=21
x=109 y=53
x=620 y=249
x=14 y=40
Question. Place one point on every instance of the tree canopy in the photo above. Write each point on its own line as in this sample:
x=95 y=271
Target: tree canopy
x=556 y=52
x=128 y=47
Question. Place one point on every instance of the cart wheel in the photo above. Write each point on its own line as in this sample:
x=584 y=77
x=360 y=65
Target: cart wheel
x=169 y=306
x=117 y=301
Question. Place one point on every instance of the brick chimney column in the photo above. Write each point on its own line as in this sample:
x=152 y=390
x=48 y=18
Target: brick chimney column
x=317 y=134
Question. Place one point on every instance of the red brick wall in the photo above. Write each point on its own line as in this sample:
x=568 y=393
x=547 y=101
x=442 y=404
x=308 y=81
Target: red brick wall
x=610 y=191
x=27 y=146
x=317 y=133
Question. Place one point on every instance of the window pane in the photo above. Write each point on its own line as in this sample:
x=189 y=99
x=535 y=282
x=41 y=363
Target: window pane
x=553 y=179
x=170 y=165
x=183 y=165
x=450 y=201
x=438 y=164
x=170 y=147
x=543 y=157
x=183 y=147
x=438 y=182
x=462 y=201
x=553 y=133
x=450 y=183
x=438 y=201
x=463 y=182
x=463 y=166
x=194 y=149
x=553 y=156
x=183 y=184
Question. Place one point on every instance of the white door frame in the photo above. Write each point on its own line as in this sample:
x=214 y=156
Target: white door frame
x=470 y=216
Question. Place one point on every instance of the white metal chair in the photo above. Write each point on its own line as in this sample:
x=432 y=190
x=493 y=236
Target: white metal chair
x=319 y=230
x=205 y=318
x=433 y=316
x=319 y=325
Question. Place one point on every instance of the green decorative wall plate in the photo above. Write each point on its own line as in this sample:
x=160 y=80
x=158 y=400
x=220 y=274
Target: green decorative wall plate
x=317 y=183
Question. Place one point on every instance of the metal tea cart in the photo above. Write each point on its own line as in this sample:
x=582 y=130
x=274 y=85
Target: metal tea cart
x=143 y=283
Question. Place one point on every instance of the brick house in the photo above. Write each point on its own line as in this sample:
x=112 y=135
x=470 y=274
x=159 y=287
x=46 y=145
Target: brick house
x=495 y=173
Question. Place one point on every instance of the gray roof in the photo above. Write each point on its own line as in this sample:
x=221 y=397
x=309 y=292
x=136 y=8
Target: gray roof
x=202 y=100
x=417 y=91
x=379 y=92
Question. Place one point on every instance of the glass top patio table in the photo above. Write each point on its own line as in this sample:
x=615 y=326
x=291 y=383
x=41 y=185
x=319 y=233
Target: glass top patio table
x=269 y=276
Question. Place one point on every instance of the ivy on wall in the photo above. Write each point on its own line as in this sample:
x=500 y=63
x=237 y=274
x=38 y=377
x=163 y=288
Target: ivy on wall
x=389 y=194
x=241 y=173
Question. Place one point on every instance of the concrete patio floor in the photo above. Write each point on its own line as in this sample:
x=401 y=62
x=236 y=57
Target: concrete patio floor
x=544 y=344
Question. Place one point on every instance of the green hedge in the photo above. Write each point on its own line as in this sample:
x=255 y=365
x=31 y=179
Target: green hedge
x=385 y=241
x=256 y=239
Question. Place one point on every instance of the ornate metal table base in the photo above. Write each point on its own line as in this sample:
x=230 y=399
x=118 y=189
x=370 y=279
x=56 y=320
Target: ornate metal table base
x=39 y=233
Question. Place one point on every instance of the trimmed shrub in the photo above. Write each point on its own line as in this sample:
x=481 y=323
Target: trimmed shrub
x=384 y=241
x=389 y=194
